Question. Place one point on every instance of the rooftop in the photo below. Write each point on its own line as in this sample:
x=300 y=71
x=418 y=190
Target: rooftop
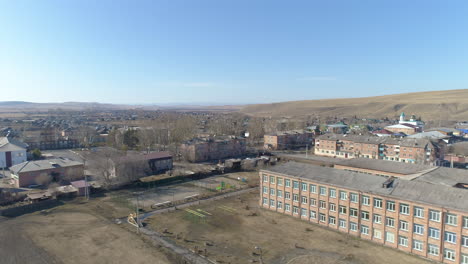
x=429 y=134
x=422 y=191
x=9 y=144
x=38 y=165
x=404 y=142
x=150 y=156
x=289 y=132
x=384 y=165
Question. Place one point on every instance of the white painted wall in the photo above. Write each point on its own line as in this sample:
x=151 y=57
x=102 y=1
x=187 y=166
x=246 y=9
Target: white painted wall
x=17 y=157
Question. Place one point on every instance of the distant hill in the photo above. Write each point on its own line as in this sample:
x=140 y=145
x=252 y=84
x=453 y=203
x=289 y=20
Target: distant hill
x=29 y=106
x=437 y=105
x=20 y=106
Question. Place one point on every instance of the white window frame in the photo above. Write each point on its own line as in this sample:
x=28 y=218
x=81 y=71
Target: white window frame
x=342 y=223
x=323 y=190
x=390 y=237
x=418 y=245
x=377 y=218
x=343 y=195
x=418 y=212
x=450 y=237
x=403 y=225
x=313 y=188
x=434 y=233
x=451 y=219
x=404 y=209
x=418 y=229
x=378 y=203
x=365 y=200
x=449 y=254
x=434 y=215
x=295 y=185
x=433 y=249
x=390 y=222
x=364 y=230
x=403 y=241
x=313 y=214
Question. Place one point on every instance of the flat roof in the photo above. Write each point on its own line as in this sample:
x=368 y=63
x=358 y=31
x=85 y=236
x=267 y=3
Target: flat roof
x=419 y=191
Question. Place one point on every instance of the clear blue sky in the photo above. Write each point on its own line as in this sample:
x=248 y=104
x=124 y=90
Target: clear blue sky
x=229 y=51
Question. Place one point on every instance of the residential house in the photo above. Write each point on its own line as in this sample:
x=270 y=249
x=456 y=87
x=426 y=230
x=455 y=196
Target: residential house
x=12 y=152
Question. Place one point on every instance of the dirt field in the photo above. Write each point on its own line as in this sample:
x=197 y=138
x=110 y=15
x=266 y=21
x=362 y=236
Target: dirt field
x=230 y=236
x=73 y=233
x=176 y=192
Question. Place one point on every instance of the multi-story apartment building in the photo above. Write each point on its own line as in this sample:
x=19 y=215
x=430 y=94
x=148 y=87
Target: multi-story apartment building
x=411 y=150
x=288 y=139
x=423 y=217
x=205 y=149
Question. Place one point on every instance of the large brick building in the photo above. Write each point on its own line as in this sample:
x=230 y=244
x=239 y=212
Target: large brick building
x=411 y=150
x=206 y=149
x=61 y=169
x=288 y=139
x=426 y=216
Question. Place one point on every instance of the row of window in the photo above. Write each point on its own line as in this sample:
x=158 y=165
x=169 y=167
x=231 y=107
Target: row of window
x=389 y=221
x=434 y=215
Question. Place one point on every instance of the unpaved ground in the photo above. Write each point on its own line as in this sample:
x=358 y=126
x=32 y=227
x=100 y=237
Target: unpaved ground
x=73 y=233
x=230 y=235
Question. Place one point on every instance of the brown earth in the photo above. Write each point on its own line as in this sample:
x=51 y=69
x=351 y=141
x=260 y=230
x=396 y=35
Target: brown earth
x=438 y=105
x=74 y=233
x=230 y=235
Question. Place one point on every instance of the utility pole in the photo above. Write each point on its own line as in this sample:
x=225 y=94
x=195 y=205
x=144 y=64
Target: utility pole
x=137 y=215
x=261 y=254
x=307 y=150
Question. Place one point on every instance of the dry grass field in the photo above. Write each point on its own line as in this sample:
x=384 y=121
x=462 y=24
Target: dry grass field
x=237 y=225
x=438 y=105
x=74 y=233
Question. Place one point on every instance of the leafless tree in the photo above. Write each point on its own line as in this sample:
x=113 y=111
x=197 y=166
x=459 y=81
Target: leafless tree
x=43 y=179
x=131 y=170
x=256 y=129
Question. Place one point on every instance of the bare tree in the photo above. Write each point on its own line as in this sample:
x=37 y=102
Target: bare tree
x=256 y=129
x=43 y=179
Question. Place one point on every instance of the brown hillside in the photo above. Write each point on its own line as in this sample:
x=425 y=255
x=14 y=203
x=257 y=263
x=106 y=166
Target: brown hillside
x=438 y=105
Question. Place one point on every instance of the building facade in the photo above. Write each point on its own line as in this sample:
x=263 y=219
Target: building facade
x=387 y=211
x=12 y=152
x=288 y=139
x=208 y=149
x=410 y=150
x=29 y=172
